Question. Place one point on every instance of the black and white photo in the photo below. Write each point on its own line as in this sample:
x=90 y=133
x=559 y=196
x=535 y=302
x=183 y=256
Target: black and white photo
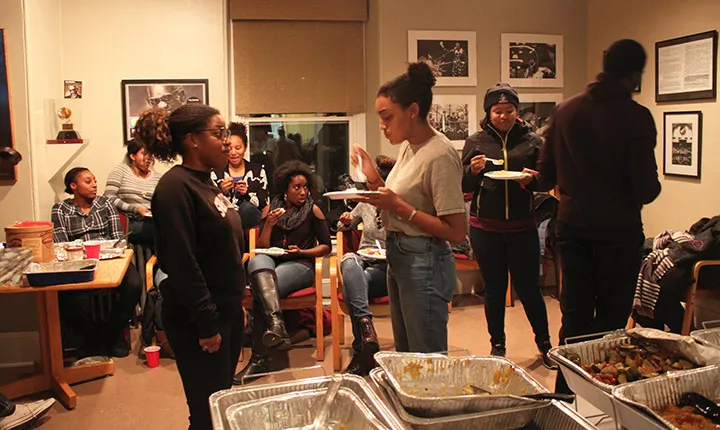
x=532 y=60
x=682 y=143
x=451 y=54
x=454 y=116
x=535 y=109
x=141 y=95
x=72 y=89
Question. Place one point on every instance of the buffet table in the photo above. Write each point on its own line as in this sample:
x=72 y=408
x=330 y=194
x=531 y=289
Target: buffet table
x=55 y=376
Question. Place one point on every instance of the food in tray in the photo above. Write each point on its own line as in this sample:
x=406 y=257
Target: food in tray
x=413 y=369
x=628 y=362
x=686 y=418
x=503 y=375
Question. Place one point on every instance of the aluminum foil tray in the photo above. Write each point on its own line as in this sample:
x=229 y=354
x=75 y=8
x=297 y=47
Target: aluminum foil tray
x=636 y=403
x=297 y=410
x=221 y=401
x=709 y=337
x=553 y=415
x=430 y=385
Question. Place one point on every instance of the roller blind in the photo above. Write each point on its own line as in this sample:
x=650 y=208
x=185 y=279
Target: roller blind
x=298 y=66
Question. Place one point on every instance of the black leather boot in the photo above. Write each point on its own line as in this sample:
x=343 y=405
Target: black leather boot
x=264 y=286
x=258 y=364
x=370 y=344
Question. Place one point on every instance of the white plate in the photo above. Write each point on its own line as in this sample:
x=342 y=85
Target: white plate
x=505 y=175
x=148 y=215
x=273 y=252
x=364 y=253
x=349 y=194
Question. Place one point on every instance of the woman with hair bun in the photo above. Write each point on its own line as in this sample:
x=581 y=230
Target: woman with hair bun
x=199 y=241
x=422 y=210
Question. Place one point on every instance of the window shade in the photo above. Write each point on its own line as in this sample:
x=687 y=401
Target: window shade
x=298 y=66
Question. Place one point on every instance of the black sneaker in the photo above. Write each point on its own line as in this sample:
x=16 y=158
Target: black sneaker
x=357 y=365
x=498 y=350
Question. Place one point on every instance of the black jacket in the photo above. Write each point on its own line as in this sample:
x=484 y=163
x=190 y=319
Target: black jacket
x=493 y=199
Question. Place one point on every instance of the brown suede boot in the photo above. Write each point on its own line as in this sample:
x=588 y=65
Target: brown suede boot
x=165 y=348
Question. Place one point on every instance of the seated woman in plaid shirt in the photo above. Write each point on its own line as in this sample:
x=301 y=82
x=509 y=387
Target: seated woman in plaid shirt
x=87 y=216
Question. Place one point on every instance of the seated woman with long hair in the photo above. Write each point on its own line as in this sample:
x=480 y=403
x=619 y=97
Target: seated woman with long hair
x=87 y=216
x=364 y=279
x=130 y=187
x=244 y=182
x=297 y=225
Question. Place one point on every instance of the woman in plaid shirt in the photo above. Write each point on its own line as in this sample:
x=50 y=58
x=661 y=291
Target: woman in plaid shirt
x=87 y=216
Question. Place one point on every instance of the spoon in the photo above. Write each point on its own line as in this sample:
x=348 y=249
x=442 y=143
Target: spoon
x=495 y=161
x=325 y=403
x=568 y=398
x=377 y=242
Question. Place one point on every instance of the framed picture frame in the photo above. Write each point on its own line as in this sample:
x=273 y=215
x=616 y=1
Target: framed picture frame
x=536 y=108
x=452 y=54
x=532 y=60
x=455 y=116
x=139 y=95
x=682 y=144
x=686 y=68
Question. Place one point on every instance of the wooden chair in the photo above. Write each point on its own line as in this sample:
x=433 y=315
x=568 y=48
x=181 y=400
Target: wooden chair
x=379 y=306
x=306 y=298
x=694 y=293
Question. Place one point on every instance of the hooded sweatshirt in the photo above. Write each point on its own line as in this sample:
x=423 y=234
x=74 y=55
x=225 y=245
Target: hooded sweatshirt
x=599 y=150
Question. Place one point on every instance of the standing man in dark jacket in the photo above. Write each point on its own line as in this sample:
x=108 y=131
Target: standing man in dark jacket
x=600 y=152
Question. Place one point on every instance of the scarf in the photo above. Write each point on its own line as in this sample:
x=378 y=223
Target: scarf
x=293 y=217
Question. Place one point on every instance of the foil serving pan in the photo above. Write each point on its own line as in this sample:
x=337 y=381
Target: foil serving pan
x=709 y=337
x=552 y=415
x=636 y=403
x=297 y=411
x=221 y=401
x=430 y=385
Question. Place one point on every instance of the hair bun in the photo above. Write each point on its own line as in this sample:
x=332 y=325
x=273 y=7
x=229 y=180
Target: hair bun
x=153 y=131
x=422 y=73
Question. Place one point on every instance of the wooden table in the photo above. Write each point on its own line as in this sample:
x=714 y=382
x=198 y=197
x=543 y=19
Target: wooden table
x=55 y=376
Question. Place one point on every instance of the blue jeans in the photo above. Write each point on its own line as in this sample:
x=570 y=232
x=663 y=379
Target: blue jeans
x=421 y=280
x=363 y=280
x=292 y=276
x=249 y=214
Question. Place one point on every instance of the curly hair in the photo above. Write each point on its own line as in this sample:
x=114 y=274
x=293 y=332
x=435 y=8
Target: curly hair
x=384 y=164
x=238 y=129
x=163 y=132
x=289 y=170
x=71 y=177
x=413 y=86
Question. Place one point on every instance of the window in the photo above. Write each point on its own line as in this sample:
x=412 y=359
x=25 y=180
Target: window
x=323 y=141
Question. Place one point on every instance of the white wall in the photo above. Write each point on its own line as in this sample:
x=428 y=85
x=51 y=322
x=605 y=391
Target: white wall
x=682 y=201
x=103 y=42
x=387 y=50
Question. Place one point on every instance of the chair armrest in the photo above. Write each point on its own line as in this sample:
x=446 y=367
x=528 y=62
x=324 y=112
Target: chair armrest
x=149 y=266
x=703 y=263
x=333 y=278
x=246 y=257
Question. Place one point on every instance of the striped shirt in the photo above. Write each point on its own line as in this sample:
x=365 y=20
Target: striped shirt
x=71 y=223
x=127 y=191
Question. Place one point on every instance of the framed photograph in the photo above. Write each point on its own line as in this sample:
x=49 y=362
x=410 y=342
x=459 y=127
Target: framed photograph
x=455 y=117
x=532 y=60
x=141 y=95
x=452 y=54
x=686 y=68
x=72 y=89
x=682 y=143
x=535 y=109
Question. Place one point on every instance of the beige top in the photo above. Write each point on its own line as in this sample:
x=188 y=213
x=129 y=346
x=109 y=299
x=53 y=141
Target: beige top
x=428 y=176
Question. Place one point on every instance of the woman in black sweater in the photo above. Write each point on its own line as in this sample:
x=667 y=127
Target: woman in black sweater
x=199 y=240
x=298 y=226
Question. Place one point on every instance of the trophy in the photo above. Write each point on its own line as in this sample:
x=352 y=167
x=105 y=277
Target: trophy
x=67 y=132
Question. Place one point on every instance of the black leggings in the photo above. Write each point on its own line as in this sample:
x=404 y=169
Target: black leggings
x=496 y=253
x=203 y=373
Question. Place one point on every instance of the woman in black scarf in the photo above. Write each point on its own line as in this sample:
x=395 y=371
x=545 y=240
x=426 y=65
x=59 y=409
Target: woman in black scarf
x=299 y=227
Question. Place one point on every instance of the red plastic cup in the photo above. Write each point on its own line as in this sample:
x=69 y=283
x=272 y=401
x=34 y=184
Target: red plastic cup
x=92 y=249
x=152 y=356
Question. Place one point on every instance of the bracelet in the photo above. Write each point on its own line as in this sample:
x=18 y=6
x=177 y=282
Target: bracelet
x=412 y=215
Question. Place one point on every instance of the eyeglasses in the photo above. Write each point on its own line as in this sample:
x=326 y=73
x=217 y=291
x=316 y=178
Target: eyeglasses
x=220 y=133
